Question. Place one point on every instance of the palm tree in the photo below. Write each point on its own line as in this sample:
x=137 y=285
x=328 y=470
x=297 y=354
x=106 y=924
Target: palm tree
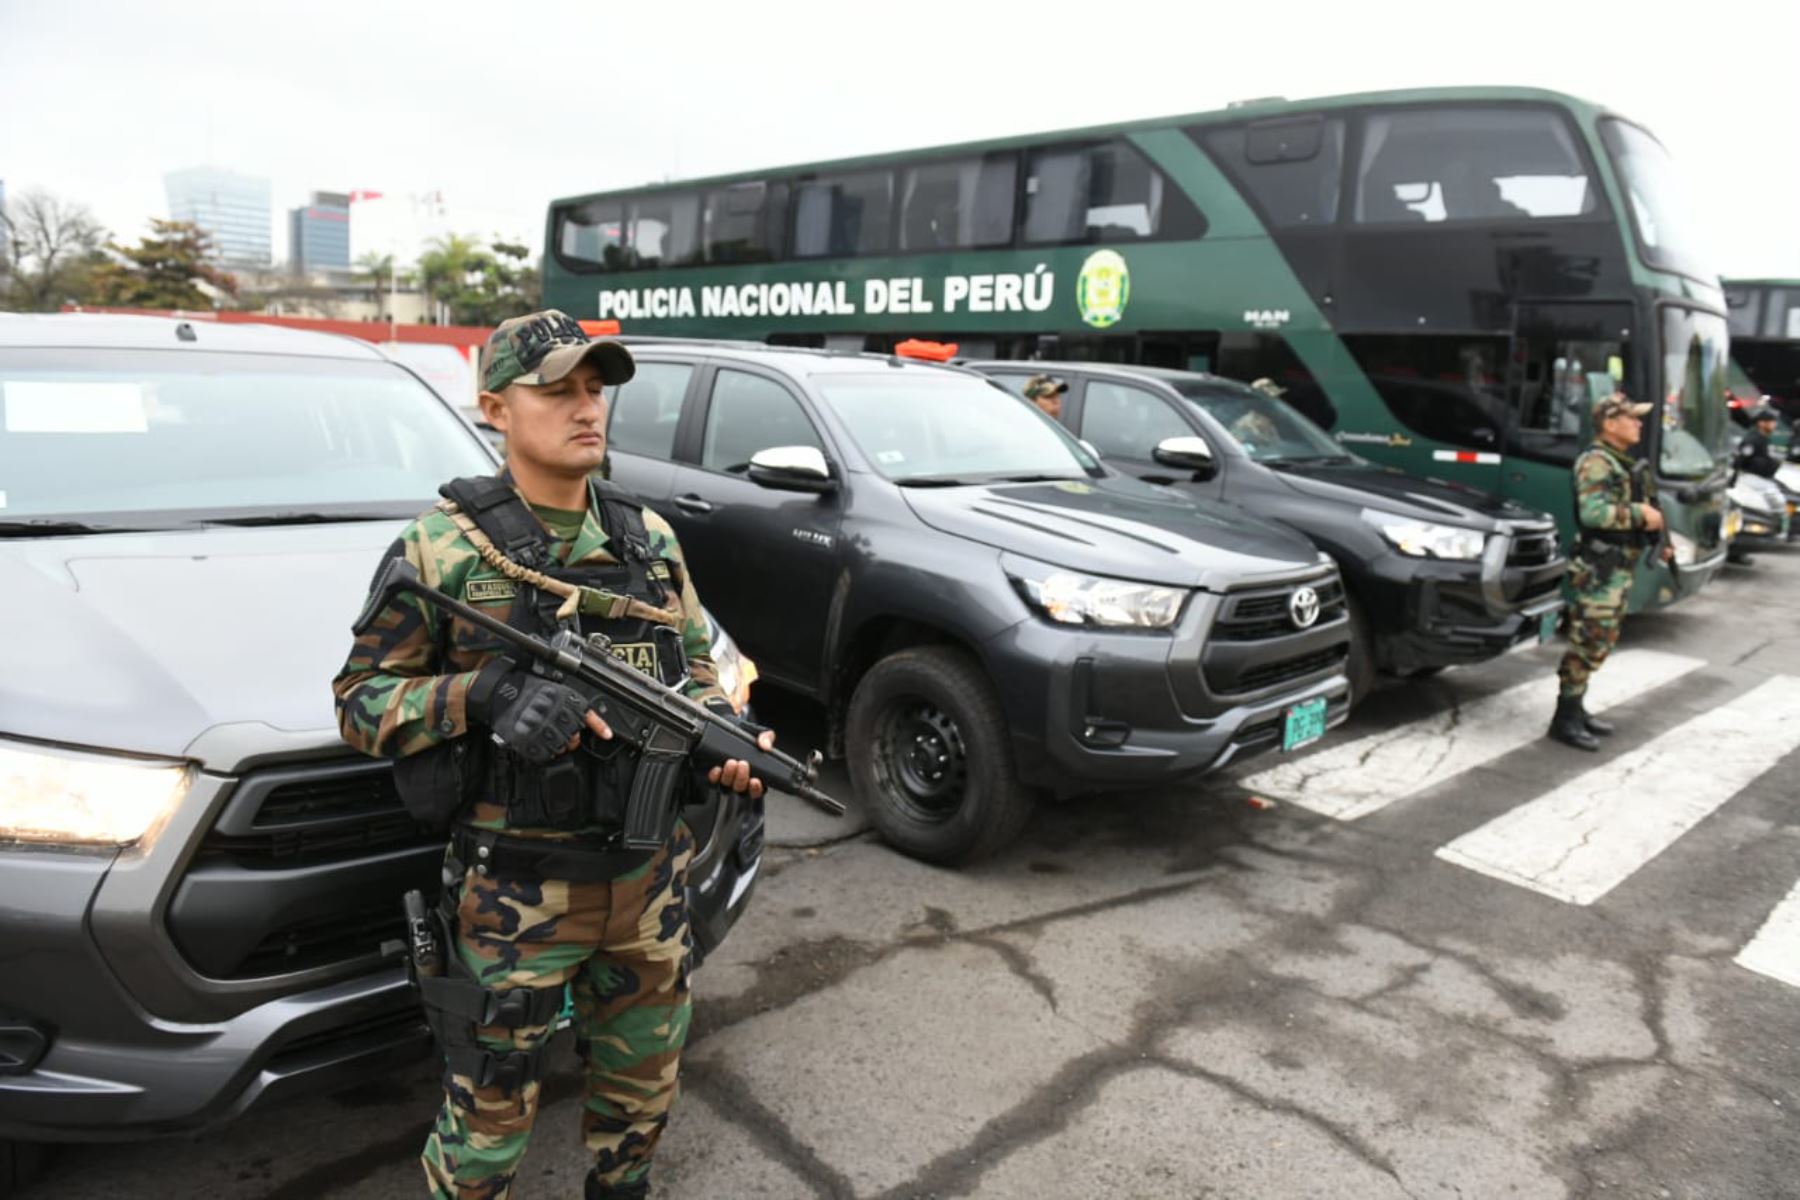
x=380 y=271
x=444 y=268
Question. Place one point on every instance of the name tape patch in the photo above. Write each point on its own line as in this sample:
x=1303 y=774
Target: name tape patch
x=485 y=591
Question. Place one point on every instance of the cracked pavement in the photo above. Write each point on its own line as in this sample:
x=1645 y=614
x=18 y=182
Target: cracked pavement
x=1177 y=994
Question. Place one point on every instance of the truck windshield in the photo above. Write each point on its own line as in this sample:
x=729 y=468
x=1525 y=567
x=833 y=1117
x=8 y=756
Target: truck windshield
x=926 y=427
x=1268 y=429
x=193 y=436
x=1694 y=416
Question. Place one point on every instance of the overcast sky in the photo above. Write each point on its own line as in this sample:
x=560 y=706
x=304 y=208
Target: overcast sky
x=503 y=106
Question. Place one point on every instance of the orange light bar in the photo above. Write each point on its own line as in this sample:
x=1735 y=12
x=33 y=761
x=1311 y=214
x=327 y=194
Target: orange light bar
x=600 y=328
x=926 y=351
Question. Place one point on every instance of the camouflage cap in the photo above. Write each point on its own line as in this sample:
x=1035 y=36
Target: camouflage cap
x=1039 y=386
x=1269 y=387
x=1617 y=404
x=542 y=347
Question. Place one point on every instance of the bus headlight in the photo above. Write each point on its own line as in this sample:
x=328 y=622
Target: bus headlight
x=1426 y=539
x=67 y=797
x=1070 y=598
x=1687 y=551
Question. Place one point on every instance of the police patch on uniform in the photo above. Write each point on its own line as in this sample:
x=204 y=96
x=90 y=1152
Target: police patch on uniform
x=483 y=591
x=659 y=570
x=641 y=656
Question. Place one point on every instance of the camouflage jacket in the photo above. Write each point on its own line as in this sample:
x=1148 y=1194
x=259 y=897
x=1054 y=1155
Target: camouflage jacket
x=405 y=685
x=1603 y=489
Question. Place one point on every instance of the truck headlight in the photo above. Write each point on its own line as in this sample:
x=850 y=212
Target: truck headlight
x=1071 y=598
x=86 y=799
x=1426 y=539
x=1687 y=551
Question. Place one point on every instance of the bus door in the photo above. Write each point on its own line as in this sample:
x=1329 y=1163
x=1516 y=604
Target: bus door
x=1564 y=356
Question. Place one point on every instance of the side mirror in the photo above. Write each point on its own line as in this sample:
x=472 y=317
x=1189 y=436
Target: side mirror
x=1187 y=454
x=792 y=469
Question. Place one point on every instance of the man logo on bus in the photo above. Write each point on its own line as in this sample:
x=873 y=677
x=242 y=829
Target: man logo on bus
x=1102 y=288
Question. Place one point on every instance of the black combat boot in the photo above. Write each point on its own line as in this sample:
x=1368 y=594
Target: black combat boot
x=638 y=1189
x=1568 y=727
x=1594 y=724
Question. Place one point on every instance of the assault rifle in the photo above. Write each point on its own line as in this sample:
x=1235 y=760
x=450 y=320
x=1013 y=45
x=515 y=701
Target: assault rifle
x=664 y=726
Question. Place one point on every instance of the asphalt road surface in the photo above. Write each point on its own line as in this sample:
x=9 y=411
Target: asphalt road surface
x=1450 y=959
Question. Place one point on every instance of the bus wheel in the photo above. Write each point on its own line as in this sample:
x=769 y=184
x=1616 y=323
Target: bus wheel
x=929 y=751
x=1360 y=666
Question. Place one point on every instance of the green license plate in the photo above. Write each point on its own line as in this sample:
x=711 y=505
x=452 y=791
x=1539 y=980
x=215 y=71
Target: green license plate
x=1547 y=626
x=1305 y=724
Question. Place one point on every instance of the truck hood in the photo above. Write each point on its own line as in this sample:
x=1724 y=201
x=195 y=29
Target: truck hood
x=144 y=642
x=1118 y=527
x=1366 y=485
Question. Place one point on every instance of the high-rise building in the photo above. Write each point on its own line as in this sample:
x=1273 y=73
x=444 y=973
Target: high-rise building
x=319 y=234
x=232 y=208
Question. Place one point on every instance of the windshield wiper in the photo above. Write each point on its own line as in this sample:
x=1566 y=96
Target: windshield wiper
x=301 y=518
x=1039 y=478
x=56 y=527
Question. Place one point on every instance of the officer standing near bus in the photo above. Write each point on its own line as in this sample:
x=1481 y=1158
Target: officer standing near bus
x=1756 y=453
x=539 y=892
x=1616 y=519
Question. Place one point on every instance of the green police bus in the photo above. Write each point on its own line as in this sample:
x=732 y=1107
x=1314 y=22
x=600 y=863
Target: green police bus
x=1443 y=278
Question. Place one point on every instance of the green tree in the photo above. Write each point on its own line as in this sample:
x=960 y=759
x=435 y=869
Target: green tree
x=470 y=284
x=164 y=270
x=48 y=250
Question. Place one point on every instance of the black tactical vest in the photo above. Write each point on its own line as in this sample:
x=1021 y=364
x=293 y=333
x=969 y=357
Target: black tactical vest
x=587 y=787
x=1630 y=539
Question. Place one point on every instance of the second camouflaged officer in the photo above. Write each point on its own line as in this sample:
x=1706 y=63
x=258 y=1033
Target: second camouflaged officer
x=1047 y=393
x=539 y=893
x=1616 y=520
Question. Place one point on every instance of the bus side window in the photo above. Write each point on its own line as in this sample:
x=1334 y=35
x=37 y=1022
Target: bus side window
x=956 y=204
x=593 y=233
x=840 y=216
x=1103 y=192
x=663 y=230
x=1289 y=166
x=742 y=222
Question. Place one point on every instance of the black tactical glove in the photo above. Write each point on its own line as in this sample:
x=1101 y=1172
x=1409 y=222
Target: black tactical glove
x=529 y=715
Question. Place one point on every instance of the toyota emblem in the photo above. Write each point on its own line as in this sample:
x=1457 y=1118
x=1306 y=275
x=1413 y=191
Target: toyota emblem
x=1303 y=607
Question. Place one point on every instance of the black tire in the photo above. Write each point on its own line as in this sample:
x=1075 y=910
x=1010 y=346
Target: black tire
x=20 y=1163
x=1424 y=672
x=930 y=753
x=1360 y=666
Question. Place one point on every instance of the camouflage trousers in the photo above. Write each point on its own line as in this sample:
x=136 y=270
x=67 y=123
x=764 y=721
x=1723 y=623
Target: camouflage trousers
x=1595 y=617
x=623 y=947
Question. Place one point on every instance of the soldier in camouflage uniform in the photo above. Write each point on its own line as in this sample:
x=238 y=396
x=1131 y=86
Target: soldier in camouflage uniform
x=538 y=891
x=1617 y=519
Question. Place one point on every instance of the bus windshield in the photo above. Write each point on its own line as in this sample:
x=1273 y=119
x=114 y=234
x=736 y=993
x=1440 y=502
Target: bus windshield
x=1694 y=417
x=1269 y=430
x=923 y=428
x=1665 y=232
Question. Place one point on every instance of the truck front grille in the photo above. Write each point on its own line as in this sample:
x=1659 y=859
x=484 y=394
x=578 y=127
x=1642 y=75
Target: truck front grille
x=303 y=868
x=1260 y=615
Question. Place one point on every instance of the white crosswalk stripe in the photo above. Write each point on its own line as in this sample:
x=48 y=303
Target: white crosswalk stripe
x=1775 y=950
x=1363 y=776
x=1585 y=837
